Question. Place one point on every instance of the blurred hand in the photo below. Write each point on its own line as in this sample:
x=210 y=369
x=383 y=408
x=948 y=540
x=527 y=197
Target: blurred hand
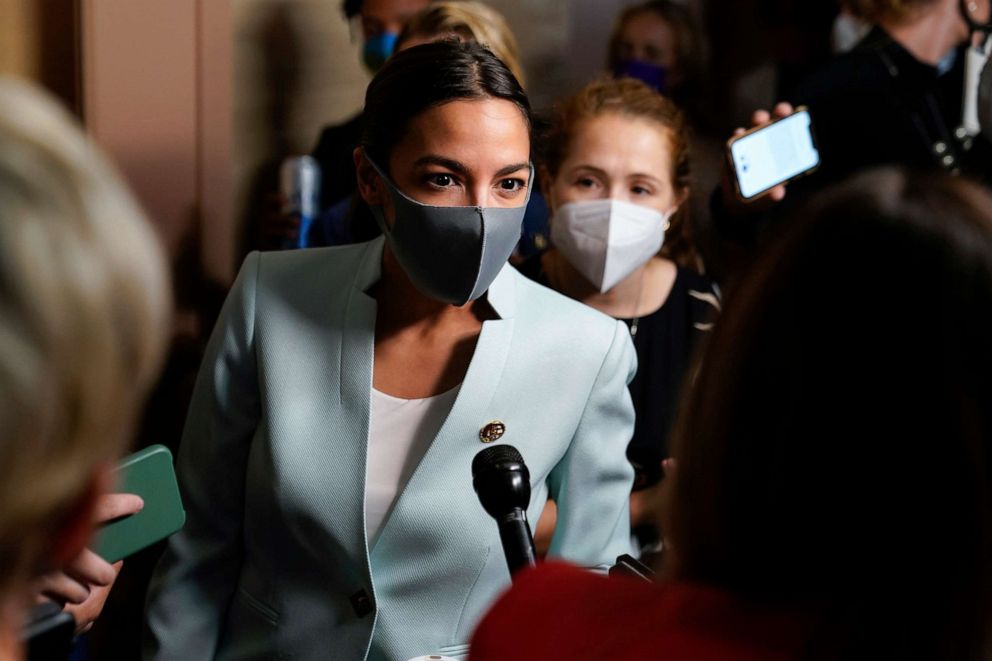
x=278 y=227
x=83 y=585
x=545 y=528
x=731 y=201
x=646 y=504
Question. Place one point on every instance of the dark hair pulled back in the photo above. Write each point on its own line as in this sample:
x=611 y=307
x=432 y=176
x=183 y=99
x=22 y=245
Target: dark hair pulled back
x=429 y=75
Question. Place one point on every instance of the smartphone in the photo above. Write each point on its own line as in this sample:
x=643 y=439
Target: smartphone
x=49 y=632
x=774 y=154
x=148 y=473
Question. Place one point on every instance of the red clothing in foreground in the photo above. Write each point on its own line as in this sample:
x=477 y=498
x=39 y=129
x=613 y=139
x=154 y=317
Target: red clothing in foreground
x=561 y=612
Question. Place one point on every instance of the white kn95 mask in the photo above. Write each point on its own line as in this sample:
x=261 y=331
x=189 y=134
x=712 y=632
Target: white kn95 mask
x=607 y=240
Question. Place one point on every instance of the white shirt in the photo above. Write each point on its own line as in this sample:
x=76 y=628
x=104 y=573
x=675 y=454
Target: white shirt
x=400 y=431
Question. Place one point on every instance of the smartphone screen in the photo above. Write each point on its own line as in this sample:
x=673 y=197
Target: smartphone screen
x=774 y=154
x=150 y=474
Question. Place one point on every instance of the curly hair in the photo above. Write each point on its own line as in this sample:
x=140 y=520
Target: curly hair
x=629 y=98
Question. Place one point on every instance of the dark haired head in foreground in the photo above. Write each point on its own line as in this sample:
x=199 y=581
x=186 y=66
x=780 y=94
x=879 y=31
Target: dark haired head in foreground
x=836 y=447
x=832 y=494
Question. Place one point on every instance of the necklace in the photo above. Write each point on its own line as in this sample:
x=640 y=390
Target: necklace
x=554 y=277
x=637 y=304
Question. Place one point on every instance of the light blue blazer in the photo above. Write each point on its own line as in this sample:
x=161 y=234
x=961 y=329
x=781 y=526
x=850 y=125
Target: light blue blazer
x=274 y=560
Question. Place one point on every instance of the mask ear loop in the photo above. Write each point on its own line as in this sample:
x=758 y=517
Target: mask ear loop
x=378 y=212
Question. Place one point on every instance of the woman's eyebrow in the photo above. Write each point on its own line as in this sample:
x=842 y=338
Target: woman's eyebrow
x=510 y=169
x=592 y=168
x=460 y=168
x=644 y=175
x=434 y=159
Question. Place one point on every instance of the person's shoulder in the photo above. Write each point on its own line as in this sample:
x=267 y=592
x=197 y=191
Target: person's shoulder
x=301 y=269
x=556 y=311
x=692 y=286
x=556 y=610
x=696 y=297
x=859 y=71
x=689 y=278
x=539 y=599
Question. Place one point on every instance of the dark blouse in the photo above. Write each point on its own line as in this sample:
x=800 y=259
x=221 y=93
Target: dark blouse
x=664 y=343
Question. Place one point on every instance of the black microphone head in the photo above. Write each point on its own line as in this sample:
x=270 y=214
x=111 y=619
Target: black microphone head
x=495 y=456
x=501 y=479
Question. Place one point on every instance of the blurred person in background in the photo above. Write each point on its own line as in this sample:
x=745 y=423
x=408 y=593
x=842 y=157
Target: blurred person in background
x=349 y=220
x=832 y=490
x=896 y=98
x=326 y=461
x=83 y=289
x=661 y=44
x=346 y=218
x=468 y=21
x=848 y=29
x=380 y=23
x=616 y=177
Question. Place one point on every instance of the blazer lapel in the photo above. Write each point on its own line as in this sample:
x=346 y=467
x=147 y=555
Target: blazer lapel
x=336 y=465
x=448 y=460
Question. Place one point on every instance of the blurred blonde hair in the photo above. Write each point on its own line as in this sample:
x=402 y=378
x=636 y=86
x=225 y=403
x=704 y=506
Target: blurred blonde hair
x=84 y=309
x=468 y=20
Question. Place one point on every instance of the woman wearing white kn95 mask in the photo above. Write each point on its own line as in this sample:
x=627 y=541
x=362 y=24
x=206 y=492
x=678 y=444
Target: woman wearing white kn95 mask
x=615 y=176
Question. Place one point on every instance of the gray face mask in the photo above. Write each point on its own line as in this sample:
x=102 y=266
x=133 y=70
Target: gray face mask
x=451 y=254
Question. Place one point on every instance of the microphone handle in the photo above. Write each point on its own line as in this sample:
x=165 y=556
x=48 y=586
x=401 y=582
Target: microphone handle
x=518 y=543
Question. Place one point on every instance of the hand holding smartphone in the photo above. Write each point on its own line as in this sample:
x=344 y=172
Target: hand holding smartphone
x=149 y=474
x=772 y=153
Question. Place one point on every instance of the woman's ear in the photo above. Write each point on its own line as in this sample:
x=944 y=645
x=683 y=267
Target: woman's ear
x=369 y=186
x=680 y=198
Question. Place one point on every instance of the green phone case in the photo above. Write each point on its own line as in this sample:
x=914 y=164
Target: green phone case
x=149 y=474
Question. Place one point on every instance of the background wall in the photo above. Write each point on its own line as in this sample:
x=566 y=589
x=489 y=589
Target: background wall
x=296 y=68
x=39 y=41
x=156 y=80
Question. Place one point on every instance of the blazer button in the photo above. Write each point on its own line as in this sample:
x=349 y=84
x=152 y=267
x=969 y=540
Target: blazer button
x=362 y=603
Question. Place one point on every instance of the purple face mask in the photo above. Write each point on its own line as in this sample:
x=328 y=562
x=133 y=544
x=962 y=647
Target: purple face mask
x=651 y=75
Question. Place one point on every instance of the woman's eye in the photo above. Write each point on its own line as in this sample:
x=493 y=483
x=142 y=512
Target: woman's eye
x=641 y=190
x=585 y=182
x=441 y=180
x=511 y=185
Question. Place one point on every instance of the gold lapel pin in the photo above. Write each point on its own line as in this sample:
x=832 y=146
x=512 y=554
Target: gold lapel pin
x=493 y=431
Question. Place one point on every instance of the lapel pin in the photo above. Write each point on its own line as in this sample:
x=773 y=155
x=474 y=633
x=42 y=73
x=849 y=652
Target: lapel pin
x=493 y=431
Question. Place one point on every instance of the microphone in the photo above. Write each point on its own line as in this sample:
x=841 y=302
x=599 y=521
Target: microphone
x=502 y=481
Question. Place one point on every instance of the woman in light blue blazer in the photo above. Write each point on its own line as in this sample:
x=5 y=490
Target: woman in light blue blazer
x=326 y=460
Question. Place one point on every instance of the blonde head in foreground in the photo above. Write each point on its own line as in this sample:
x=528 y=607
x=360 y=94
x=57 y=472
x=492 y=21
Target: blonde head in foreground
x=84 y=308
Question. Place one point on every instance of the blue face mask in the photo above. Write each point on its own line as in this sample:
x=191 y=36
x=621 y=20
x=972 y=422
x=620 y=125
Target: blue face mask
x=378 y=48
x=652 y=75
